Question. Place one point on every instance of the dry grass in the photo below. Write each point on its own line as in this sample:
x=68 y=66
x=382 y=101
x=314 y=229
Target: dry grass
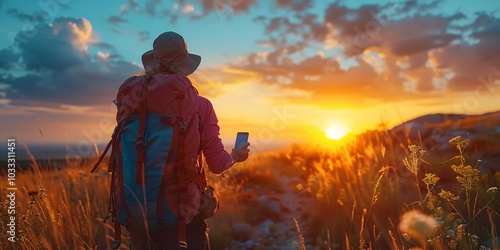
x=360 y=192
x=58 y=209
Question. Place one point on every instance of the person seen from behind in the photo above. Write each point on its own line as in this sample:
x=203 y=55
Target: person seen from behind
x=170 y=56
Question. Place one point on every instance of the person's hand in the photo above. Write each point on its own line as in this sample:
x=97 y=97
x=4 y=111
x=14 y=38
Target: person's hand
x=240 y=154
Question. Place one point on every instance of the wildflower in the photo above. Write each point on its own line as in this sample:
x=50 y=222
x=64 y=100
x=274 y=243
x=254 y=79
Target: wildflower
x=430 y=179
x=439 y=213
x=475 y=240
x=414 y=148
x=461 y=144
x=406 y=236
x=455 y=140
x=492 y=190
x=460 y=231
x=468 y=176
x=417 y=224
x=431 y=204
x=448 y=196
x=452 y=244
x=415 y=156
x=436 y=242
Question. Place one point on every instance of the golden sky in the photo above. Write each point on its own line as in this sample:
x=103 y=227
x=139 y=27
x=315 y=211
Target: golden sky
x=285 y=71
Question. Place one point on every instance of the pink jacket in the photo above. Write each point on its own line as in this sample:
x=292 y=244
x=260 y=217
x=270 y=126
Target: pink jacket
x=216 y=157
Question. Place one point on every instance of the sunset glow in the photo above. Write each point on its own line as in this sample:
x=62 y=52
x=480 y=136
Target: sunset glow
x=273 y=68
x=336 y=132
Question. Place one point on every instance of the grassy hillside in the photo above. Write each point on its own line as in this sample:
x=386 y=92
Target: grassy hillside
x=376 y=192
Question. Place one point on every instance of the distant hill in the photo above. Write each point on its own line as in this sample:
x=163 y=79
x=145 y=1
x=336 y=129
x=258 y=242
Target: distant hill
x=434 y=131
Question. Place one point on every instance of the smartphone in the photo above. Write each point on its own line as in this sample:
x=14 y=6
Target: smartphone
x=241 y=139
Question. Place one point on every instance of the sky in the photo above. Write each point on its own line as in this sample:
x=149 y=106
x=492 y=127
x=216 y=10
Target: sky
x=284 y=70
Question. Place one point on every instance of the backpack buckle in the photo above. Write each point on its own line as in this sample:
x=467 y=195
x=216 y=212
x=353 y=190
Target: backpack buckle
x=139 y=144
x=183 y=244
x=182 y=127
x=180 y=123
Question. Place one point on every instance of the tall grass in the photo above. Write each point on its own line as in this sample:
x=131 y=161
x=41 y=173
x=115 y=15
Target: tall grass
x=366 y=194
x=58 y=209
x=363 y=189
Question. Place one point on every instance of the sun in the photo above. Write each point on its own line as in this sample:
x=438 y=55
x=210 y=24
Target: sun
x=336 y=132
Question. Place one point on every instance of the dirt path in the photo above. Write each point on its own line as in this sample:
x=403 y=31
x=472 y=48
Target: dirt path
x=283 y=234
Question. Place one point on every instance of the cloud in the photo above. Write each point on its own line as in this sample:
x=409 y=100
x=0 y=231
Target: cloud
x=393 y=51
x=134 y=5
x=143 y=36
x=151 y=6
x=116 y=20
x=295 y=5
x=471 y=62
x=68 y=75
x=102 y=45
x=18 y=15
x=8 y=58
x=224 y=6
x=69 y=35
x=194 y=10
x=188 y=8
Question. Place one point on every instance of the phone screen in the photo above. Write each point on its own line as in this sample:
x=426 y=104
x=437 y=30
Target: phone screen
x=241 y=139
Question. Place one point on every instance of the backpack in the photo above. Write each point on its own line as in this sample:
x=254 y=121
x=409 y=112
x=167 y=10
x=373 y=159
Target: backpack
x=157 y=174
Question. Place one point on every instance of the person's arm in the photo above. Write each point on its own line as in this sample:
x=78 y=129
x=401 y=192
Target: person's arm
x=218 y=159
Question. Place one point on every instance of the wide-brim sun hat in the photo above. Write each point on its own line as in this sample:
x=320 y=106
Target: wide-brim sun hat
x=170 y=53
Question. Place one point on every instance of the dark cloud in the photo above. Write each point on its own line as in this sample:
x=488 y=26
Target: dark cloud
x=413 y=45
x=85 y=86
x=116 y=20
x=18 y=15
x=59 y=70
x=134 y=5
x=475 y=63
x=8 y=59
x=102 y=45
x=317 y=31
x=296 y=5
x=349 y=21
x=64 y=34
x=151 y=6
x=281 y=24
x=417 y=7
x=233 y=6
x=164 y=9
x=37 y=54
x=421 y=51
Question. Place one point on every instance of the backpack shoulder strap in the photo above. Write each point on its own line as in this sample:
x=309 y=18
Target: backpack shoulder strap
x=182 y=188
x=96 y=166
x=111 y=144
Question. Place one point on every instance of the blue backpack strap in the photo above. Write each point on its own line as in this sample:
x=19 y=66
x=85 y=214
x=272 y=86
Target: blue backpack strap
x=168 y=165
